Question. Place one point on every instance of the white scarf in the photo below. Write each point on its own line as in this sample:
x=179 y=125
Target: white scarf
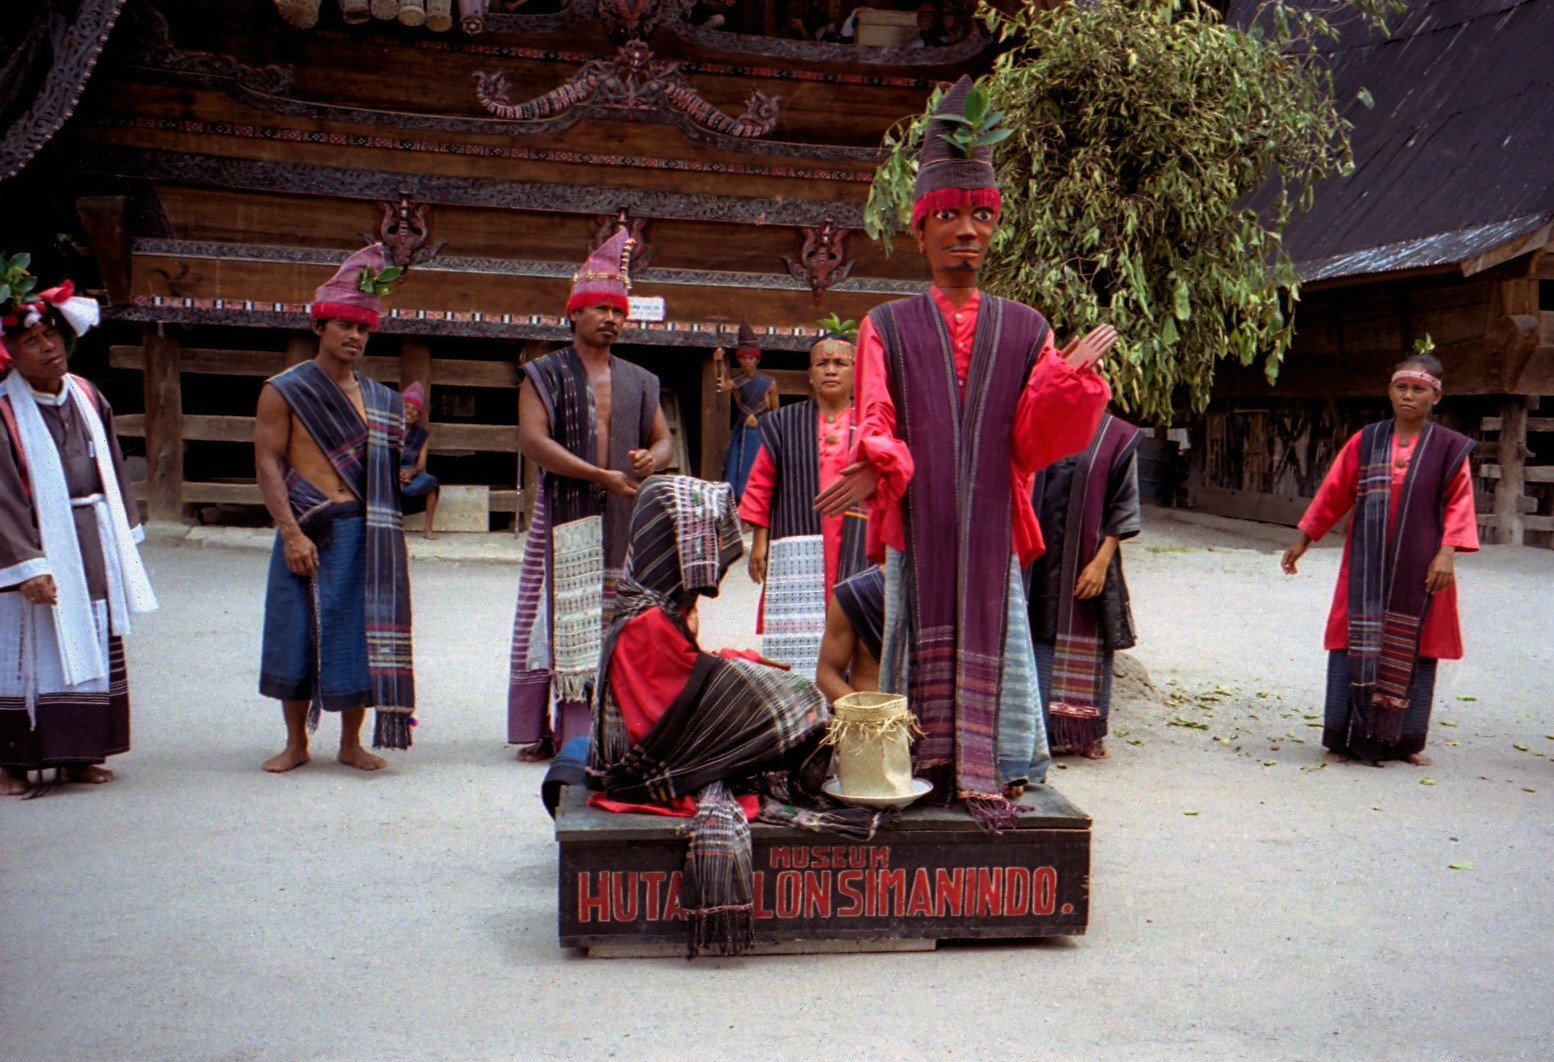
x=129 y=590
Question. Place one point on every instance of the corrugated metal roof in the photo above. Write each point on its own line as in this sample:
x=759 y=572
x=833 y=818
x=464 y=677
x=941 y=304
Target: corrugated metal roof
x=1457 y=156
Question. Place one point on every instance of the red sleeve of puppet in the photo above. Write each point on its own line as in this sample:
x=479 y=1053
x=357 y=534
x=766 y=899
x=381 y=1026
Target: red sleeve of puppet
x=1461 y=518
x=755 y=507
x=1336 y=495
x=648 y=669
x=879 y=445
x=1058 y=413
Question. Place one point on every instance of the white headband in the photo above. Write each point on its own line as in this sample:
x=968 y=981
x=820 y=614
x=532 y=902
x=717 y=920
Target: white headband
x=1417 y=374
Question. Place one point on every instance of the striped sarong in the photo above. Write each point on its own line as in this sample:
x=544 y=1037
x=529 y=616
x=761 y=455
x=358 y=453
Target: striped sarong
x=367 y=457
x=795 y=602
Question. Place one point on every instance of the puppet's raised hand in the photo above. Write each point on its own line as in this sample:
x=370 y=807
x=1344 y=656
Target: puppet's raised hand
x=1086 y=352
x=854 y=487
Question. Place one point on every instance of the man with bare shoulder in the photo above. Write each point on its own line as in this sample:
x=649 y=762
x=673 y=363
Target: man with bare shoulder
x=327 y=446
x=855 y=628
x=592 y=423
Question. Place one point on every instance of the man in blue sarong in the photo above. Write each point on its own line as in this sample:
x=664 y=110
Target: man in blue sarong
x=327 y=449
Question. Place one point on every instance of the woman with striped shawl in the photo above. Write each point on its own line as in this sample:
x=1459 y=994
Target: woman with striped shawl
x=719 y=738
x=796 y=554
x=1080 y=613
x=1394 y=612
x=754 y=394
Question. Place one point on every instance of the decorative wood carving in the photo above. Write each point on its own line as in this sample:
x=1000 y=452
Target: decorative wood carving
x=541 y=196
x=46 y=72
x=635 y=82
x=821 y=258
x=405 y=230
x=609 y=224
x=156 y=49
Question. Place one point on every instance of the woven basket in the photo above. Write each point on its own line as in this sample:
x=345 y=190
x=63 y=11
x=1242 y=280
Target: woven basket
x=872 y=734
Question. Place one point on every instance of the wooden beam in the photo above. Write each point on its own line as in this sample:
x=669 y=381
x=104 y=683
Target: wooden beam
x=1251 y=505
x=102 y=216
x=1509 y=521
x=1530 y=473
x=164 y=426
x=1535 y=425
x=301 y=347
x=448 y=438
x=1506 y=251
x=450 y=372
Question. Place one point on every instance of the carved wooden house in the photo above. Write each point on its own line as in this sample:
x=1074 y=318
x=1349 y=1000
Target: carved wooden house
x=1442 y=230
x=218 y=158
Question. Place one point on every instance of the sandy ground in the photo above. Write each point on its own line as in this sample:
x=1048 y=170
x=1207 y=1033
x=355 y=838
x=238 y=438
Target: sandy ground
x=1249 y=900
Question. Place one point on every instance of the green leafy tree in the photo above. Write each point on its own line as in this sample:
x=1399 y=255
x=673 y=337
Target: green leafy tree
x=1138 y=131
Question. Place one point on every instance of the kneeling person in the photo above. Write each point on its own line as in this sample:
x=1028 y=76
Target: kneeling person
x=855 y=627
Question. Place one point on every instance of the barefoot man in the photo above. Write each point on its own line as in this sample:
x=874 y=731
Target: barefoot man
x=327 y=446
x=962 y=397
x=592 y=423
x=70 y=573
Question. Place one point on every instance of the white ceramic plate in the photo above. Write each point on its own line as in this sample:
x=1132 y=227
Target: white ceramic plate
x=920 y=788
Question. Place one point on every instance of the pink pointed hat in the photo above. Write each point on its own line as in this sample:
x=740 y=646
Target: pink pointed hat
x=605 y=279
x=342 y=295
x=415 y=395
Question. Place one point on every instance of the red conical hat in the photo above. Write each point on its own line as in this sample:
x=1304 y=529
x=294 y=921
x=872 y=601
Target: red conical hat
x=342 y=295
x=605 y=279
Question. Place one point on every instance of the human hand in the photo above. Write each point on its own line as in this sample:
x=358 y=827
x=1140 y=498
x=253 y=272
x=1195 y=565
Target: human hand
x=856 y=485
x=757 y=565
x=1441 y=572
x=405 y=475
x=1092 y=579
x=40 y=590
x=641 y=463
x=618 y=483
x=1293 y=554
x=1083 y=353
x=301 y=554
x=751 y=421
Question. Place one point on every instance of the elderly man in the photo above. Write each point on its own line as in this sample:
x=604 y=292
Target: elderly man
x=70 y=572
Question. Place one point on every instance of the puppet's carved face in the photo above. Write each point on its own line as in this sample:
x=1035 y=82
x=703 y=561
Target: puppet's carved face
x=955 y=239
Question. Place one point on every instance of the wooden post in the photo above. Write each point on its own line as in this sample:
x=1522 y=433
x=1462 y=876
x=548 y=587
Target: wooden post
x=415 y=363
x=1509 y=527
x=102 y=216
x=164 y=426
x=714 y=421
x=303 y=346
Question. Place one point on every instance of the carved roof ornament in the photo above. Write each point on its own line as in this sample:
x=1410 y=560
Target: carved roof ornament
x=633 y=82
x=636 y=18
x=820 y=263
x=405 y=230
x=154 y=47
x=610 y=224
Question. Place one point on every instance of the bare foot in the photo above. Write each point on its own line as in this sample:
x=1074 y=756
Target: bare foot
x=88 y=774
x=1097 y=752
x=13 y=784
x=290 y=758
x=431 y=535
x=536 y=752
x=1014 y=791
x=361 y=759
x=1418 y=759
